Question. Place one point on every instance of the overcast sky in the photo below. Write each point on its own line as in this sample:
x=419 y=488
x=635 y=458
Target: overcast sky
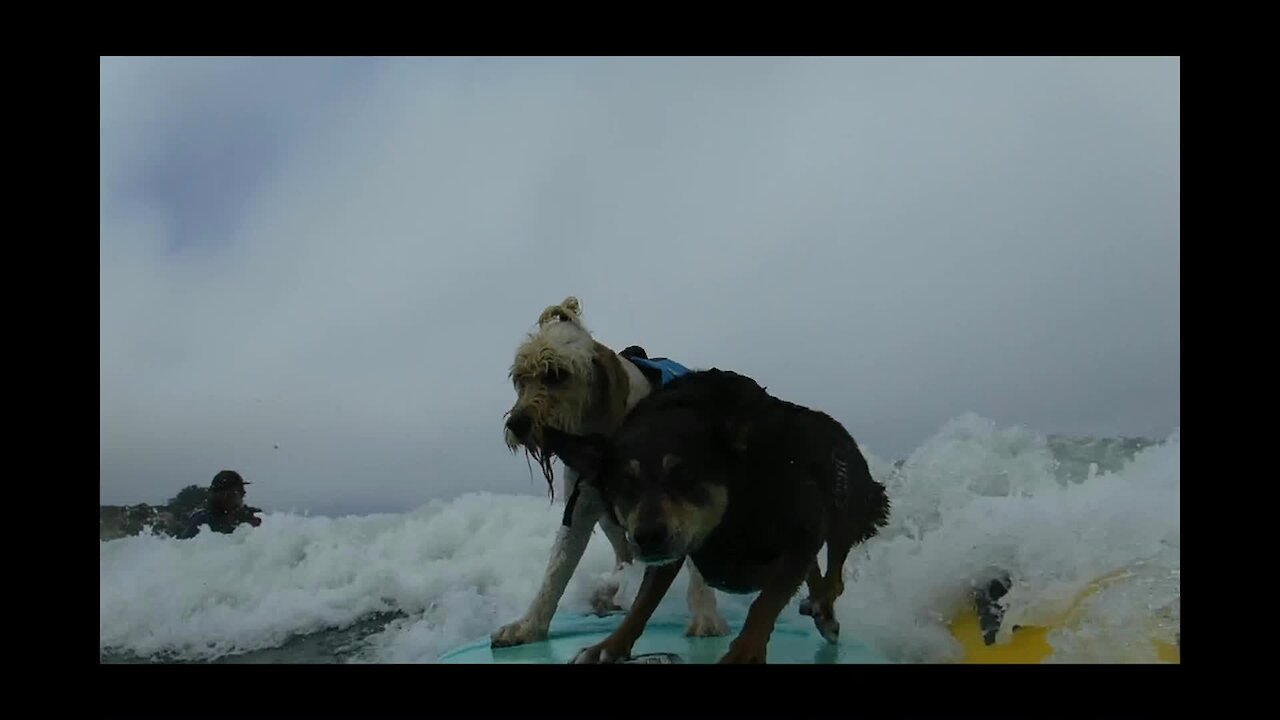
x=339 y=256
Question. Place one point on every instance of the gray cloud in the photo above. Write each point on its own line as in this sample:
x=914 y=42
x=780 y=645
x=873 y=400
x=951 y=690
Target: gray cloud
x=340 y=256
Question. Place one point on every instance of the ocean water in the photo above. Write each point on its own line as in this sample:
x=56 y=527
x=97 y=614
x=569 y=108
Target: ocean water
x=972 y=501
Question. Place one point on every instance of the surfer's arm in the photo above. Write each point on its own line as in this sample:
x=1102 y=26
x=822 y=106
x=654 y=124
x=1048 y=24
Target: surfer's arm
x=192 y=527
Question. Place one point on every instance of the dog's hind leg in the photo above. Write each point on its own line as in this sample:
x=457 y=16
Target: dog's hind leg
x=824 y=590
x=814 y=582
x=854 y=519
x=704 y=617
x=837 y=553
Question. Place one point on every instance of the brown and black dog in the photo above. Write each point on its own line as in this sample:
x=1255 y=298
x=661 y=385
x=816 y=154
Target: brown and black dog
x=747 y=486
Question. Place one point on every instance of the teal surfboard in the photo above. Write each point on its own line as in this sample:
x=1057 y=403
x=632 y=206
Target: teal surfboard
x=664 y=641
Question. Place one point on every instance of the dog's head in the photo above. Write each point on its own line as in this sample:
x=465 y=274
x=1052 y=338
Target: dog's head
x=564 y=380
x=664 y=477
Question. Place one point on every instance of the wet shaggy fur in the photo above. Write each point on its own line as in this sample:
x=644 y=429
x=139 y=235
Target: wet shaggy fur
x=567 y=381
x=746 y=485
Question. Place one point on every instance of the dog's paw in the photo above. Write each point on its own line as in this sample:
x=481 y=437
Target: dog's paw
x=806 y=606
x=707 y=624
x=745 y=652
x=519 y=632
x=602 y=653
x=602 y=600
x=828 y=627
x=824 y=618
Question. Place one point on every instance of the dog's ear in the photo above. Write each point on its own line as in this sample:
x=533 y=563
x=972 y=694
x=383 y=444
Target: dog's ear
x=568 y=310
x=611 y=384
x=741 y=399
x=583 y=453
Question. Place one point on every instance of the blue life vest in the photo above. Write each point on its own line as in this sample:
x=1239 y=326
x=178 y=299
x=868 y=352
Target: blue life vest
x=662 y=370
x=667 y=368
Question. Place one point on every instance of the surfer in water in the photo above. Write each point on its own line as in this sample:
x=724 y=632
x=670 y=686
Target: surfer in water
x=225 y=510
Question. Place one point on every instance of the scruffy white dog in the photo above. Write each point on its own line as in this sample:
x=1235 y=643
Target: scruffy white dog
x=565 y=379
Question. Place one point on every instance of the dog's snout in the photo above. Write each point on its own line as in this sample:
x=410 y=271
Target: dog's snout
x=519 y=425
x=651 y=540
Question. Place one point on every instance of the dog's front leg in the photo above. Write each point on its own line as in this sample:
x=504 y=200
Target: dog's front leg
x=704 y=618
x=604 y=599
x=782 y=582
x=617 y=647
x=566 y=553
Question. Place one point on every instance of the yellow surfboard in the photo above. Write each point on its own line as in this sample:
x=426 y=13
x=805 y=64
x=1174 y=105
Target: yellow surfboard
x=1030 y=644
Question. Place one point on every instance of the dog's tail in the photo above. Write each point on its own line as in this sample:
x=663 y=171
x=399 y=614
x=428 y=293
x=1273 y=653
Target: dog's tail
x=864 y=499
x=568 y=310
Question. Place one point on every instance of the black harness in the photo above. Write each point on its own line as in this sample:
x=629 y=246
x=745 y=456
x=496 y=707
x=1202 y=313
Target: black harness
x=659 y=372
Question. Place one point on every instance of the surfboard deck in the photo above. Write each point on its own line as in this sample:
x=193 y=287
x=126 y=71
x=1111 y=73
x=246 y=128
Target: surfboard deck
x=791 y=643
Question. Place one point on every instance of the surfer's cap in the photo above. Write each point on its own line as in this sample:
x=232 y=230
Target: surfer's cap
x=228 y=480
